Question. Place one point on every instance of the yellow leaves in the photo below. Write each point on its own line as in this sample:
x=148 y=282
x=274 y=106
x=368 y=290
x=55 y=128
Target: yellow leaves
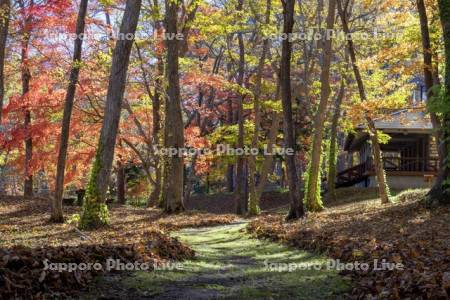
x=383 y=138
x=357 y=253
x=392 y=4
x=274 y=105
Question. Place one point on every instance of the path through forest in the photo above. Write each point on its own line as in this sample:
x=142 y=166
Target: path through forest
x=229 y=264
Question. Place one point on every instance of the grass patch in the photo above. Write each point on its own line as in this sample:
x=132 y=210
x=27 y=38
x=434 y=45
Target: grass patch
x=229 y=264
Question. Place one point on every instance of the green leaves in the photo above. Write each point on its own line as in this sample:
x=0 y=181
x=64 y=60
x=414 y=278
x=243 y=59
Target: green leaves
x=383 y=138
x=440 y=103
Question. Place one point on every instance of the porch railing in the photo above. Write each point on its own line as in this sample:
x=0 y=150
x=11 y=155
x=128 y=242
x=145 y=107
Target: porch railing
x=411 y=164
x=360 y=172
x=354 y=174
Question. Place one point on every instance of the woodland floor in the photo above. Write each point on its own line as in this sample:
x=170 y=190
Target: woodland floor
x=228 y=264
x=135 y=234
x=358 y=228
x=228 y=260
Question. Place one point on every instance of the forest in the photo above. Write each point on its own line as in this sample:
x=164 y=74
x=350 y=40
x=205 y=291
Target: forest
x=224 y=149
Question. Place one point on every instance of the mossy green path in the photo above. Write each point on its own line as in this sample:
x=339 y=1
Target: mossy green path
x=229 y=264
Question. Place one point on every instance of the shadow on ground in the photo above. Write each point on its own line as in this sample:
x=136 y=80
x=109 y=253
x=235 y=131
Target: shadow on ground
x=228 y=265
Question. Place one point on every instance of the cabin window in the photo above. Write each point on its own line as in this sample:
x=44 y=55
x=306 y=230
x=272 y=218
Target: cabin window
x=392 y=160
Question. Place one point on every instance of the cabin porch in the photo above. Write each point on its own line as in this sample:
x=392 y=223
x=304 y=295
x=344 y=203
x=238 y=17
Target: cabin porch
x=409 y=159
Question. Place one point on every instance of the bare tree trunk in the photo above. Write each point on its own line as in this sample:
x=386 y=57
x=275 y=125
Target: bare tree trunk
x=230 y=167
x=171 y=196
x=428 y=75
x=121 y=183
x=268 y=161
x=296 y=210
x=383 y=188
x=95 y=212
x=156 y=107
x=57 y=212
x=254 y=199
x=331 y=179
x=312 y=194
x=240 y=172
x=440 y=192
x=28 y=183
x=230 y=178
x=26 y=77
x=156 y=114
x=190 y=179
x=5 y=8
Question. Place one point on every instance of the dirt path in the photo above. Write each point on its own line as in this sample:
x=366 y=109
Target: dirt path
x=229 y=264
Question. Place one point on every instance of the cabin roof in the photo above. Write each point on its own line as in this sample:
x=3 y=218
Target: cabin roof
x=409 y=120
x=402 y=121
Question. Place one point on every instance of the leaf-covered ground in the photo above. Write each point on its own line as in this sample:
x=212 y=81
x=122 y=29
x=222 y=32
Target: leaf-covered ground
x=228 y=264
x=135 y=234
x=358 y=228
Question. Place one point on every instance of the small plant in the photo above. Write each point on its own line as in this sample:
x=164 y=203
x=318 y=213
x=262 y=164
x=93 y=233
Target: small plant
x=74 y=220
x=410 y=195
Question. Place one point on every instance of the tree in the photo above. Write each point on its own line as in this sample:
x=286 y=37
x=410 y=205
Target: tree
x=240 y=165
x=171 y=197
x=253 y=194
x=121 y=183
x=57 y=213
x=440 y=192
x=95 y=212
x=5 y=8
x=336 y=114
x=383 y=188
x=296 y=206
x=428 y=74
x=312 y=194
x=156 y=107
x=26 y=77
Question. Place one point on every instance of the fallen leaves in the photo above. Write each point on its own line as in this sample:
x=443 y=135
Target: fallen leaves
x=23 y=273
x=363 y=230
x=27 y=239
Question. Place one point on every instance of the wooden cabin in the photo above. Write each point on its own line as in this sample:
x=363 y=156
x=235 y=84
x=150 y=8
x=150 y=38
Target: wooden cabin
x=410 y=157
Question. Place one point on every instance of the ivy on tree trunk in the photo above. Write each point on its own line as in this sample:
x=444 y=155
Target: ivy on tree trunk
x=95 y=213
x=440 y=192
x=312 y=193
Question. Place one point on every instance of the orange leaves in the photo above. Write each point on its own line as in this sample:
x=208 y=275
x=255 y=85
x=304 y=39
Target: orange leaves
x=193 y=138
x=204 y=79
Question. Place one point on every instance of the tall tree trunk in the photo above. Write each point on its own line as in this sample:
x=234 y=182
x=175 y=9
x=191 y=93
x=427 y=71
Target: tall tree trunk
x=121 y=183
x=331 y=179
x=440 y=192
x=95 y=212
x=171 y=196
x=230 y=167
x=428 y=75
x=383 y=188
x=5 y=8
x=268 y=161
x=57 y=212
x=296 y=210
x=156 y=112
x=312 y=193
x=240 y=172
x=26 y=77
x=156 y=107
x=253 y=199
